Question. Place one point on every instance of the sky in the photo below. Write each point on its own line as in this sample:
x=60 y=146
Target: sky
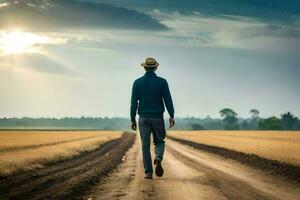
x=65 y=58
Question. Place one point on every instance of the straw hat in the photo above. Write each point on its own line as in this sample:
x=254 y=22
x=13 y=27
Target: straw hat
x=150 y=62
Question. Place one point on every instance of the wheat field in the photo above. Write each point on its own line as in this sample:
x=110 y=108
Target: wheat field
x=275 y=145
x=24 y=150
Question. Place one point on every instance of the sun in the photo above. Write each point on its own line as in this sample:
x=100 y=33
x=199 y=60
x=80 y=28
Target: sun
x=18 y=42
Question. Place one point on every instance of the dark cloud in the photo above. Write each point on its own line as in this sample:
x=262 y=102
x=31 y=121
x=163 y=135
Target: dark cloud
x=266 y=10
x=55 y=14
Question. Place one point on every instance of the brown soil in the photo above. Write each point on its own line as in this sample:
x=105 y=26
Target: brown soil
x=274 y=167
x=69 y=179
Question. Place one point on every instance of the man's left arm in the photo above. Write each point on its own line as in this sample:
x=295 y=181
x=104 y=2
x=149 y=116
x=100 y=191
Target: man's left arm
x=169 y=103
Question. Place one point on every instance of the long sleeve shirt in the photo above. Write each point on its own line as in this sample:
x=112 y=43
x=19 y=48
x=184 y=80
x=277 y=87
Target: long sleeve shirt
x=149 y=95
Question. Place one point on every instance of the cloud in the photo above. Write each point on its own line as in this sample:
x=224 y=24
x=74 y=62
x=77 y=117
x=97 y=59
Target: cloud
x=194 y=30
x=70 y=14
x=229 y=32
x=107 y=24
x=259 y=37
x=266 y=10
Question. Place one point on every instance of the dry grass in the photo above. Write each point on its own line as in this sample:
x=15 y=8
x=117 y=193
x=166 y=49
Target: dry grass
x=23 y=150
x=276 y=145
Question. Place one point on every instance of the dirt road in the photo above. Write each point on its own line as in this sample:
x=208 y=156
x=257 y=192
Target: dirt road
x=192 y=174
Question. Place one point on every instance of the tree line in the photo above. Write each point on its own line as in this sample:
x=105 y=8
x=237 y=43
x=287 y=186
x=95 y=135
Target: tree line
x=287 y=121
x=229 y=121
x=65 y=123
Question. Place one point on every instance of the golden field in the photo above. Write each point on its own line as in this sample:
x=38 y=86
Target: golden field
x=275 y=145
x=23 y=150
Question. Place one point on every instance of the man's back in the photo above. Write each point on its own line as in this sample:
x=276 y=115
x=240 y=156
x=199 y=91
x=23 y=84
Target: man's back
x=149 y=94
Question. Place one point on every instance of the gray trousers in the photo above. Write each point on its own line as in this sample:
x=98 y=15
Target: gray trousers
x=155 y=126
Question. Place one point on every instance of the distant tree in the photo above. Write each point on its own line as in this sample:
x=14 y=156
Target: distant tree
x=288 y=121
x=244 y=125
x=227 y=112
x=197 y=127
x=212 y=124
x=272 y=123
x=297 y=125
x=254 y=113
x=229 y=119
x=254 y=119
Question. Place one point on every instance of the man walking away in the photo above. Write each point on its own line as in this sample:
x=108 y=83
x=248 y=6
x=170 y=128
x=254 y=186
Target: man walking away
x=149 y=94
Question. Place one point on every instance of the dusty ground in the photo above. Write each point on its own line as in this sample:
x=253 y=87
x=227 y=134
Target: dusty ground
x=192 y=174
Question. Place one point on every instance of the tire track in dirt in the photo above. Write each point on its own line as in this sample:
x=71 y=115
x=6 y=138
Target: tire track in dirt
x=69 y=179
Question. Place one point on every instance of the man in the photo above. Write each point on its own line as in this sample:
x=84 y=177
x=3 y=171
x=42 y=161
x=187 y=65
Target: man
x=149 y=94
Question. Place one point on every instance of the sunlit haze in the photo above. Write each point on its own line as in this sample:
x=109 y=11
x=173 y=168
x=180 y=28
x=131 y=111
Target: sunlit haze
x=79 y=58
x=21 y=42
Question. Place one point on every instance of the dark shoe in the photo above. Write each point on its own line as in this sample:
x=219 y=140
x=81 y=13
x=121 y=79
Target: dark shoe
x=159 y=171
x=148 y=176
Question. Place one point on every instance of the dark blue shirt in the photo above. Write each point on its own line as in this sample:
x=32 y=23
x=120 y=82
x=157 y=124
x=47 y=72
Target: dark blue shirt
x=149 y=93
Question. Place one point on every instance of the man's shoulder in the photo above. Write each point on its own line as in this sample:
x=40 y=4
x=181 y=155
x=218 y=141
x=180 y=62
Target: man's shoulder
x=161 y=79
x=138 y=80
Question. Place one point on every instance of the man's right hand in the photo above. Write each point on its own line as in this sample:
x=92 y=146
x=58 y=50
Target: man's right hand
x=172 y=122
x=133 y=126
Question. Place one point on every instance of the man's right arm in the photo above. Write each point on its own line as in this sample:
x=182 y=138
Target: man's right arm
x=134 y=102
